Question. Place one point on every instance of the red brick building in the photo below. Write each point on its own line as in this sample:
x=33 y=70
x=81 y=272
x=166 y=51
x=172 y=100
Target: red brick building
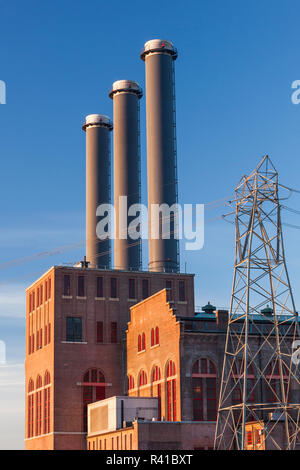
x=179 y=359
x=76 y=320
x=165 y=360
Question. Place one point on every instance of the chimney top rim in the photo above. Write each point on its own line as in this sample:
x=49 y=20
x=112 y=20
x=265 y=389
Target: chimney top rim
x=159 y=45
x=100 y=120
x=126 y=86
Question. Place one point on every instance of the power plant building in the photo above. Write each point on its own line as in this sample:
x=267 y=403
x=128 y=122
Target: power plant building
x=95 y=332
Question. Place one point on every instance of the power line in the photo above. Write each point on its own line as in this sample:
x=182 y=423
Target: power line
x=289 y=189
x=291 y=210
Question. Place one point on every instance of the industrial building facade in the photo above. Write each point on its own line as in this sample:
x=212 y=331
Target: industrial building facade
x=77 y=354
x=75 y=340
x=179 y=360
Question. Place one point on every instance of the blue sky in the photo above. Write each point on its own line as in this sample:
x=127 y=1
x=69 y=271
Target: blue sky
x=237 y=61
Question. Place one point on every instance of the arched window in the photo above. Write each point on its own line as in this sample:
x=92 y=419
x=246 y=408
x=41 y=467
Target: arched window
x=130 y=382
x=204 y=380
x=143 y=342
x=93 y=389
x=274 y=392
x=156 y=387
x=152 y=337
x=157 y=335
x=139 y=343
x=38 y=404
x=142 y=378
x=171 y=391
x=47 y=403
x=30 y=411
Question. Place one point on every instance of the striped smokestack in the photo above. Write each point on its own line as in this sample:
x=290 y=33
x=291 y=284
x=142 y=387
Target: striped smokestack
x=126 y=95
x=159 y=57
x=97 y=128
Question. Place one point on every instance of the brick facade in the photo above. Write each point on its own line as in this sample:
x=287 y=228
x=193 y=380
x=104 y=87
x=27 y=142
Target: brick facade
x=69 y=361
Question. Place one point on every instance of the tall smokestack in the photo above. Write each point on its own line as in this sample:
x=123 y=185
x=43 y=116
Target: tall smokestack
x=159 y=57
x=97 y=128
x=126 y=95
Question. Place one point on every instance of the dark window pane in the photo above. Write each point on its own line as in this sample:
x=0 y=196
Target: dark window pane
x=99 y=287
x=197 y=387
x=203 y=366
x=113 y=332
x=182 y=291
x=99 y=332
x=94 y=375
x=113 y=287
x=197 y=410
x=131 y=289
x=74 y=329
x=145 y=288
x=211 y=388
x=100 y=393
x=87 y=398
x=80 y=286
x=67 y=284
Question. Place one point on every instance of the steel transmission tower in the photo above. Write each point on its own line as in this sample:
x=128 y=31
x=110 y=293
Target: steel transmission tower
x=260 y=377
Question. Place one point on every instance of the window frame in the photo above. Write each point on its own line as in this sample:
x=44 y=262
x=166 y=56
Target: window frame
x=72 y=336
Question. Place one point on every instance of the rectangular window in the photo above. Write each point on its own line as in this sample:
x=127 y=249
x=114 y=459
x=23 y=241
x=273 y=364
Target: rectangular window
x=113 y=332
x=113 y=288
x=74 y=329
x=169 y=290
x=80 y=286
x=41 y=292
x=49 y=288
x=145 y=287
x=182 y=291
x=99 y=287
x=131 y=288
x=99 y=331
x=67 y=284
